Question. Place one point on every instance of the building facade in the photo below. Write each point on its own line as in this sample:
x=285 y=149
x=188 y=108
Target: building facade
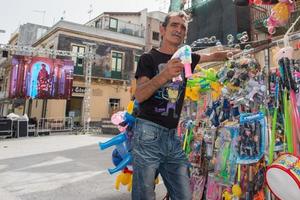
x=118 y=38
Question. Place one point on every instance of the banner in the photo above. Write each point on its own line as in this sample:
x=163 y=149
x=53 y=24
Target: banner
x=41 y=78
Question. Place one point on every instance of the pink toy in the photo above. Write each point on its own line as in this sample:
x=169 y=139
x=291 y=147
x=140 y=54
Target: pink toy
x=185 y=55
x=280 y=15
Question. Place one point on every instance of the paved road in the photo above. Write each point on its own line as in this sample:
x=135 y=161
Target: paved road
x=58 y=167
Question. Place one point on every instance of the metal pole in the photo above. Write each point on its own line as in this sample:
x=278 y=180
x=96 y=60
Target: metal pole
x=88 y=90
x=286 y=36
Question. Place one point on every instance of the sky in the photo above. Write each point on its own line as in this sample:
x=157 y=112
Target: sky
x=14 y=13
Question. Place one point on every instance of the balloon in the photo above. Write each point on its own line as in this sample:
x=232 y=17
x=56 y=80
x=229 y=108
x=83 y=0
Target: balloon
x=281 y=13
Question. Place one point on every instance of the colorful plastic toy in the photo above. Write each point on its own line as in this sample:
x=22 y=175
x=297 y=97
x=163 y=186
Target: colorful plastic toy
x=252 y=133
x=185 y=55
x=124 y=178
x=121 y=154
x=280 y=15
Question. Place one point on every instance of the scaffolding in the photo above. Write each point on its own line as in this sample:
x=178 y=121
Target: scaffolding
x=88 y=56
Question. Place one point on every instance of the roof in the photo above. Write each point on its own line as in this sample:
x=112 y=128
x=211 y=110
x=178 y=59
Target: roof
x=116 y=13
x=91 y=32
x=122 y=13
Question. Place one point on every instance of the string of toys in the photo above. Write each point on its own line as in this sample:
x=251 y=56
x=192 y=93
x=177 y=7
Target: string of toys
x=225 y=129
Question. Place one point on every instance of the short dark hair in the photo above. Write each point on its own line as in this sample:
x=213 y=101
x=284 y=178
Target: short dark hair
x=181 y=14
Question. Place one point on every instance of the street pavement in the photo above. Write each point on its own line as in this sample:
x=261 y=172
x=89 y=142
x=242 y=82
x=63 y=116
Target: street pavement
x=59 y=167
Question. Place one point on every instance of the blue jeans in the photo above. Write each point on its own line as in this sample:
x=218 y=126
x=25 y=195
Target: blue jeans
x=158 y=149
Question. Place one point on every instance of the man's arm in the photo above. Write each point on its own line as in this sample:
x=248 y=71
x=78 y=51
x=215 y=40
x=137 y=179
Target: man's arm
x=146 y=87
x=216 y=56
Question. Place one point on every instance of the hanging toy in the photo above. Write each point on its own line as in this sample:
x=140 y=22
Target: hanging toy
x=251 y=142
x=124 y=178
x=225 y=166
x=236 y=188
x=236 y=191
x=121 y=156
x=227 y=195
x=214 y=190
x=216 y=92
x=280 y=15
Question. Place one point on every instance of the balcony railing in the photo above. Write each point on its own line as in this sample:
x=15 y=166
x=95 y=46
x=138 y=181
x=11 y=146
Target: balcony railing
x=97 y=72
x=259 y=14
x=117 y=25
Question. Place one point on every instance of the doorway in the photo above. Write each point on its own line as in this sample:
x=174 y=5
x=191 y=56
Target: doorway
x=74 y=109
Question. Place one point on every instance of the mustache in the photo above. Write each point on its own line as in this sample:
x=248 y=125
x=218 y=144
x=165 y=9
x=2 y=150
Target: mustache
x=177 y=34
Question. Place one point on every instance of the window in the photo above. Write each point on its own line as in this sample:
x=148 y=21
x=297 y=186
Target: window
x=113 y=24
x=98 y=23
x=40 y=32
x=136 y=61
x=114 y=106
x=78 y=62
x=116 y=64
x=155 y=36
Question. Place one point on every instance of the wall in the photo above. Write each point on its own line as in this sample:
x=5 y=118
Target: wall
x=153 y=25
x=101 y=93
x=134 y=19
x=103 y=49
x=36 y=108
x=100 y=103
x=224 y=18
x=29 y=33
x=56 y=108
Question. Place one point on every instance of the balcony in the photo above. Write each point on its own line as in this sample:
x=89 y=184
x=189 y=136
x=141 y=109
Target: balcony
x=259 y=14
x=98 y=72
x=119 y=26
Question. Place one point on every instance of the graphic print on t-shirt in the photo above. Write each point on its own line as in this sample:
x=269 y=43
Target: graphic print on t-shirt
x=169 y=92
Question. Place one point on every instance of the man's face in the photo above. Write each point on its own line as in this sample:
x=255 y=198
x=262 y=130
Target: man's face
x=175 y=30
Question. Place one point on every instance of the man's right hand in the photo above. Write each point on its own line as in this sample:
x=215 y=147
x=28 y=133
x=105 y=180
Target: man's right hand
x=172 y=69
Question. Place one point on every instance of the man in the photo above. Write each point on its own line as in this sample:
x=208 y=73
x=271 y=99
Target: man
x=156 y=146
x=43 y=82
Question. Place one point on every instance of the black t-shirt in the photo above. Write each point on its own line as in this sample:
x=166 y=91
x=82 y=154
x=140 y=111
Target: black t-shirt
x=164 y=106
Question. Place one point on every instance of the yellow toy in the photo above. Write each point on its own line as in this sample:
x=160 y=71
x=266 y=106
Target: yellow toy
x=126 y=179
x=192 y=93
x=216 y=88
x=236 y=193
x=236 y=190
x=281 y=12
x=226 y=195
x=130 y=107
